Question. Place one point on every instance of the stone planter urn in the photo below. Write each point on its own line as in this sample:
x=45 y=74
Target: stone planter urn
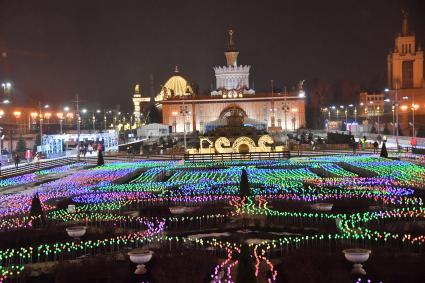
x=322 y=206
x=76 y=232
x=71 y=208
x=357 y=257
x=140 y=257
x=182 y=209
x=177 y=209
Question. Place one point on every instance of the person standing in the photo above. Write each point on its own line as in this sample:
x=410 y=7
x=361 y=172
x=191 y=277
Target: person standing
x=375 y=147
x=17 y=161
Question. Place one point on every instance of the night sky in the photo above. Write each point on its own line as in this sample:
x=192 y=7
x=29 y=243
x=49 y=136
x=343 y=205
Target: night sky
x=100 y=49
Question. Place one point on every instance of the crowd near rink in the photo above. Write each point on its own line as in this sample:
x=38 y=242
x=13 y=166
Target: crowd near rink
x=289 y=220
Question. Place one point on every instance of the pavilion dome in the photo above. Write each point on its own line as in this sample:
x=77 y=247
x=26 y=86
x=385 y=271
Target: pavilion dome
x=175 y=86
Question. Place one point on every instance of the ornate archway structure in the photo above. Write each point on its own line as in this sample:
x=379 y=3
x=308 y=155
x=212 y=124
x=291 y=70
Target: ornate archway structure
x=265 y=140
x=222 y=145
x=246 y=141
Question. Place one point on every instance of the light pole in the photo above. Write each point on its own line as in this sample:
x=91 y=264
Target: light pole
x=48 y=115
x=77 y=102
x=396 y=113
x=355 y=114
x=7 y=87
x=294 y=110
x=378 y=108
x=337 y=117
x=346 y=118
x=40 y=115
x=174 y=114
x=60 y=117
x=93 y=118
x=414 y=108
x=285 y=108
x=183 y=111
x=329 y=118
x=104 y=120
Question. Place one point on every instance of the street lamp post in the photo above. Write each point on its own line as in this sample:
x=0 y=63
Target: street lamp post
x=174 y=113
x=77 y=101
x=378 y=120
x=346 y=118
x=294 y=110
x=396 y=113
x=355 y=114
x=94 y=122
x=329 y=118
x=414 y=108
x=393 y=110
x=285 y=109
x=104 y=120
x=183 y=112
x=40 y=115
x=7 y=86
x=60 y=117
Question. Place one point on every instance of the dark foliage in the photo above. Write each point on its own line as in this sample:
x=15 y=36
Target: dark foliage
x=384 y=152
x=244 y=190
x=246 y=272
x=100 y=160
x=36 y=210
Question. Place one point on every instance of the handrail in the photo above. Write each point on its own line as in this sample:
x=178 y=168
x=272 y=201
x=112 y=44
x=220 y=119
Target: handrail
x=237 y=156
x=32 y=167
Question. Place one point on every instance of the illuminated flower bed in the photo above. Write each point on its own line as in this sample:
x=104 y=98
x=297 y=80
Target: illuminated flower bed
x=140 y=200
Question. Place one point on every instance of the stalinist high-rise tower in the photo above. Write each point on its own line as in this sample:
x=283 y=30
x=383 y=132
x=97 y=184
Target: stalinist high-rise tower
x=406 y=80
x=405 y=61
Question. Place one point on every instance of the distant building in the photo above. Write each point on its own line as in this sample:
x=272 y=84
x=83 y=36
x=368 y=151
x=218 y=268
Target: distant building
x=185 y=111
x=405 y=61
x=371 y=104
x=406 y=78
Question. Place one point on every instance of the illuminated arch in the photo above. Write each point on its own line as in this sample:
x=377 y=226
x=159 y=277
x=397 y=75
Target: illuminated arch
x=246 y=141
x=265 y=140
x=220 y=143
x=201 y=143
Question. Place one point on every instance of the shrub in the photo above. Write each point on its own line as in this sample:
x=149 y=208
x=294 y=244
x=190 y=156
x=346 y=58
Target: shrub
x=244 y=189
x=36 y=211
x=246 y=273
x=100 y=160
x=384 y=152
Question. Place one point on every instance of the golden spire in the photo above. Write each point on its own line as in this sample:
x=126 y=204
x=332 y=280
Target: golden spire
x=231 y=43
x=231 y=53
x=405 y=24
x=137 y=88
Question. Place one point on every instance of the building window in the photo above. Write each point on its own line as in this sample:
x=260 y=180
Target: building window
x=407 y=74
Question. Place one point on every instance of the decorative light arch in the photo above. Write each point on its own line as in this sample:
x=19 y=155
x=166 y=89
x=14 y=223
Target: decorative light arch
x=243 y=140
x=220 y=143
x=263 y=141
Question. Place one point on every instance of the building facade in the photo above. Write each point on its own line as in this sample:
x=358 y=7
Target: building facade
x=186 y=112
x=371 y=104
x=406 y=82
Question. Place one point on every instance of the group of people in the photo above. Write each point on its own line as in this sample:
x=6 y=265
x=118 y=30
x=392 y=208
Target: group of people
x=89 y=147
x=361 y=145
